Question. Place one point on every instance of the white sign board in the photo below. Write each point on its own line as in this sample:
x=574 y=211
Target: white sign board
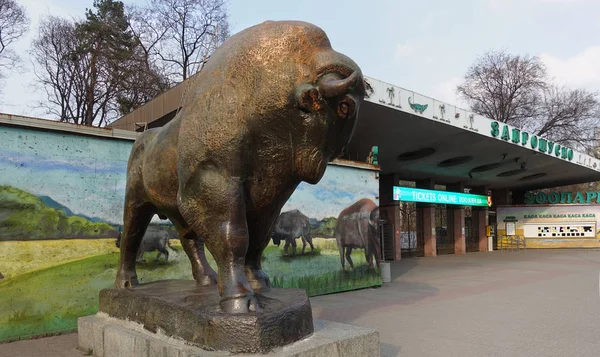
x=511 y=229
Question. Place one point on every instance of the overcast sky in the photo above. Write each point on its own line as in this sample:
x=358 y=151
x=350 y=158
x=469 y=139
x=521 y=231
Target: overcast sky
x=422 y=45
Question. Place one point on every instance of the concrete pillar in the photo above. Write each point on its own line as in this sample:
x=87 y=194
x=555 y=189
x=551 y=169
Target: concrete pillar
x=480 y=220
x=456 y=221
x=389 y=210
x=426 y=239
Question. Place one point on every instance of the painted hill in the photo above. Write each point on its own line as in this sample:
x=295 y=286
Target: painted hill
x=48 y=201
x=24 y=216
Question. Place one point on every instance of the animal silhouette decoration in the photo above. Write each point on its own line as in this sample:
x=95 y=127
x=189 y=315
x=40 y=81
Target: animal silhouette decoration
x=419 y=108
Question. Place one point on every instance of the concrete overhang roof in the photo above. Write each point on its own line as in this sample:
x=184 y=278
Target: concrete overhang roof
x=388 y=121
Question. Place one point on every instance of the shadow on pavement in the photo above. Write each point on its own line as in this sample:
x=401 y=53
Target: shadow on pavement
x=349 y=306
x=389 y=350
x=402 y=266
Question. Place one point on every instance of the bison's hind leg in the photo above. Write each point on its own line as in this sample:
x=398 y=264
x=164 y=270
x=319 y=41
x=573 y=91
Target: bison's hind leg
x=303 y=245
x=136 y=217
x=293 y=239
x=342 y=252
x=162 y=251
x=259 y=230
x=308 y=238
x=348 y=256
x=202 y=272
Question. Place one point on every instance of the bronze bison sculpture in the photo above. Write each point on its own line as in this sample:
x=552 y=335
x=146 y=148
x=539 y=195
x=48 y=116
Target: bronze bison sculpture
x=270 y=108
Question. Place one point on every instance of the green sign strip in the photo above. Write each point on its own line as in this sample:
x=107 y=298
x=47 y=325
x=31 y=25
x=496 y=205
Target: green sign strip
x=562 y=197
x=409 y=194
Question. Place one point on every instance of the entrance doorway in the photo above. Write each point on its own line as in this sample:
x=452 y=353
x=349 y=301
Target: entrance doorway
x=408 y=230
x=471 y=243
x=444 y=242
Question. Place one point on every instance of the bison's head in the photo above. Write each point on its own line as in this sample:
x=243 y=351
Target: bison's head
x=374 y=217
x=374 y=239
x=329 y=106
x=281 y=90
x=276 y=240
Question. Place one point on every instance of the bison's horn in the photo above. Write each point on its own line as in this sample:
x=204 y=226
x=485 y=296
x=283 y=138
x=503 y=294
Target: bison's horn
x=337 y=87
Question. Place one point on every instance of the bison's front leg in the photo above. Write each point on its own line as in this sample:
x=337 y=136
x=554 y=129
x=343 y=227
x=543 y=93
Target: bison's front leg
x=213 y=205
x=136 y=217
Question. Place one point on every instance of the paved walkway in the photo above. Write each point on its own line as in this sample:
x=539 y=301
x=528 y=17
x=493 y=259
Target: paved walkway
x=527 y=303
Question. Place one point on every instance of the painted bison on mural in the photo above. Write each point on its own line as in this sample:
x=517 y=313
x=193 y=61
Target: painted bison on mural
x=289 y=226
x=155 y=241
x=358 y=227
x=270 y=108
x=158 y=241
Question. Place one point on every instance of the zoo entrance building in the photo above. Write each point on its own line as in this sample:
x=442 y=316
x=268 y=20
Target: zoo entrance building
x=451 y=181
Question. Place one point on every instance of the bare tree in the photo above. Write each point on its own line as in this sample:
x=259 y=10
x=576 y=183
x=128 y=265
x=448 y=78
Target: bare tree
x=516 y=90
x=504 y=87
x=568 y=117
x=181 y=33
x=60 y=72
x=142 y=84
x=149 y=80
x=148 y=30
x=93 y=70
x=14 y=23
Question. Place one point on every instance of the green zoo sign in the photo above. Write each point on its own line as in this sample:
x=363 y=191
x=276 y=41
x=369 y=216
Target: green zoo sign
x=562 y=197
x=525 y=139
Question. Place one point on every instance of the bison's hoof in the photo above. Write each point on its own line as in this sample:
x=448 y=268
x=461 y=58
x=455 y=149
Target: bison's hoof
x=126 y=280
x=260 y=284
x=240 y=305
x=258 y=280
x=206 y=280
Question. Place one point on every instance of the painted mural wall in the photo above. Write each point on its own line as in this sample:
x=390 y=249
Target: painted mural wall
x=552 y=226
x=61 y=206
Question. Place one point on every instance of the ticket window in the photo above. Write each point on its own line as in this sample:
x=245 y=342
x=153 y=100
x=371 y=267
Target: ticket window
x=560 y=230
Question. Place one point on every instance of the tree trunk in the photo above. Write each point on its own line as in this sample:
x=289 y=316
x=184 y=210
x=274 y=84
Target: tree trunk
x=89 y=114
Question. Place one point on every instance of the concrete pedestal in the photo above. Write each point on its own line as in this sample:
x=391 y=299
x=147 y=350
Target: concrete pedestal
x=181 y=309
x=104 y=336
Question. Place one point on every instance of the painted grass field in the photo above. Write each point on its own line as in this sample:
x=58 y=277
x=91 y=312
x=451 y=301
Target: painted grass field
x=18 y=257
x=64 y=279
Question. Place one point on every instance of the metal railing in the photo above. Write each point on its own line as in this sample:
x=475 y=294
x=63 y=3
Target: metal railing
x=515 y=242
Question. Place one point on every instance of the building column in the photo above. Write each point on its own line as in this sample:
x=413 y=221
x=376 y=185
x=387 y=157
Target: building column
x=480 y=220
x=456 y=221
x=426 y=237
x=390 y=211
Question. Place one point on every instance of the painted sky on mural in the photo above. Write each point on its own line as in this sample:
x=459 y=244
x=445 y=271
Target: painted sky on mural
x=425 y=46
x=339 y=188
x=55 y=165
